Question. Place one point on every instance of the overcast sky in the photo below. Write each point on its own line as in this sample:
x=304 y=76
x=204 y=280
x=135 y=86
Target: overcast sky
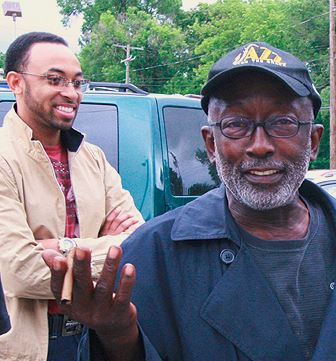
x=43 y=15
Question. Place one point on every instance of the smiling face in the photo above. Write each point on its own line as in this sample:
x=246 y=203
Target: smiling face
x=259 y=171
x=46 y=108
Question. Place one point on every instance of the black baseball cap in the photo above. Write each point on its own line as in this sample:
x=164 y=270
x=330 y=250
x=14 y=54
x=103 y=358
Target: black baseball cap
x=259 y=56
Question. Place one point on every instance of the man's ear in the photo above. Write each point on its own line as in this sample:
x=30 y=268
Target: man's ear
x=15 y=82
x=209 y=141
x=316 y=135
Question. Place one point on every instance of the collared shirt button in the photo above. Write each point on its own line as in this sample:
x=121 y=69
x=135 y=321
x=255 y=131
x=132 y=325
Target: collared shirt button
x=227 y=256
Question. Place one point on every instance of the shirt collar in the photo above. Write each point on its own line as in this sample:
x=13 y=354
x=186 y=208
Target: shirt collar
x=72 y=139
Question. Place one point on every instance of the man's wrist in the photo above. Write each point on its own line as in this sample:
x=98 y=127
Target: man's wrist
x=125 y=348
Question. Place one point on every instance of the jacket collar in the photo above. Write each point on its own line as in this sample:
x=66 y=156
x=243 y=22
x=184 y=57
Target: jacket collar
x=72 y=139
x=209 y=218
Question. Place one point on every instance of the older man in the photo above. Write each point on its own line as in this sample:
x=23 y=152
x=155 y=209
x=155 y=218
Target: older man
x=245 y=272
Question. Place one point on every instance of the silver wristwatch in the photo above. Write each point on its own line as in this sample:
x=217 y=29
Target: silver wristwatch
x=65 y=244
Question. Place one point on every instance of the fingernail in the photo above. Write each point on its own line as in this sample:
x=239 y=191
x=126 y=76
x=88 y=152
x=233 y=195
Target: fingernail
x=113 y=252
x=128 y=270
x=80 y=254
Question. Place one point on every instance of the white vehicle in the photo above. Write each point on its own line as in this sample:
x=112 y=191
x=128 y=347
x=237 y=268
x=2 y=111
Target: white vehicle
x=326 y=178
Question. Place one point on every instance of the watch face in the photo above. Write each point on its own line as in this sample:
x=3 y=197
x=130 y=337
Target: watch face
x=68 y=243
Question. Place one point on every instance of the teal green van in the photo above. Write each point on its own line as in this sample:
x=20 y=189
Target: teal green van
x=153 y=140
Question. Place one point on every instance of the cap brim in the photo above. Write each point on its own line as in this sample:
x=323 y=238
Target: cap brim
x=217 y=82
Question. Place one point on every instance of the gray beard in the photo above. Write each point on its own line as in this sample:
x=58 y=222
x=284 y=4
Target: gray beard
x=260 y=197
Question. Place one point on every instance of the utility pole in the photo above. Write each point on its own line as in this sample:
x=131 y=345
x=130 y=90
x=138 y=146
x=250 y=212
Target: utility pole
x=332 y=56
x=128 y=58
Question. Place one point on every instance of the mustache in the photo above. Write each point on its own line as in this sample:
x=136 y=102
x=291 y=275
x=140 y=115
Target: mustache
x=261 y=163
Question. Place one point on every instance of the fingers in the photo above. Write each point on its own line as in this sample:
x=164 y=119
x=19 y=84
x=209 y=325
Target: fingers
x=51 y=243
x=48 y=256
x=83 y=285
x=81 y=293
x=108 y=224
x=58 y=267
x=105 y=284
x=117 y=223
x=119 y=305
x=122 y=298
x=126 y=224
x=98 y=307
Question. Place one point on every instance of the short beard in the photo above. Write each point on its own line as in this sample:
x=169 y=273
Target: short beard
x=260 y=197
x=40 y=113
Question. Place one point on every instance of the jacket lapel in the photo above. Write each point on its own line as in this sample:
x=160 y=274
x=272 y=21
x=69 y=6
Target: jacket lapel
x=326 y=344
x=243 y=308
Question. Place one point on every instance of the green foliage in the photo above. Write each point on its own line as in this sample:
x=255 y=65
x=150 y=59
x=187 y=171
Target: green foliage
x=162 y=44
x=298 y=26
x=323 y=160
x=2 y=59
x=93 y=9
x=218 y=33
x=181 y=46
x=308 y=36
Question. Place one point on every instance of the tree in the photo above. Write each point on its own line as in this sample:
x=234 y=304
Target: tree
x=93 y=9
x=308 y=39
x=2 y=59
x=216 y=29
x=298 y=26
x=163 y=46
x=323 y=160
x=181 y=46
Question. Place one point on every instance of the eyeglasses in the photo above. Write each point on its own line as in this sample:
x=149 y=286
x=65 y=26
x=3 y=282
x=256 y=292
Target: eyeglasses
x=281 y=127
x=57 y=81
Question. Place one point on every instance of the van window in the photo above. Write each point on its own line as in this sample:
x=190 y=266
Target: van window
x=4 y=109
x=190 y=171
x=98 y=121
x=100 y=124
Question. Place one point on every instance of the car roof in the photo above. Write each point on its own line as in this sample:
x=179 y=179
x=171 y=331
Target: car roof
x=321 y=174
x=105 y=90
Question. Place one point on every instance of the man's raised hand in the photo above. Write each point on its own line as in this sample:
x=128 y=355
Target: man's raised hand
x=110 y=314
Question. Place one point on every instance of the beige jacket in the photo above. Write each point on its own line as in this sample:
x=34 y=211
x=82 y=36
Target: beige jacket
x=32 y=207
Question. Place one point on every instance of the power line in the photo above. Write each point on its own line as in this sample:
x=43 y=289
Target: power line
x=314 y=17
x=173 y=63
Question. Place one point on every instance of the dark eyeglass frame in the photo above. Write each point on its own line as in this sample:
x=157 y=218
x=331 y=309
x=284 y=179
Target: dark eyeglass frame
x=265 y=125
x=81 y=85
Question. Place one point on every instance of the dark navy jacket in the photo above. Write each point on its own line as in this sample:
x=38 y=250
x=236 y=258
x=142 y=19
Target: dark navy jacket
x=4 y=318
x=193 y=306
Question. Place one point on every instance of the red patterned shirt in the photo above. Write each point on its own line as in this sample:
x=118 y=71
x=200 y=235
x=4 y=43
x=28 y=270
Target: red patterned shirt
x=59 y=159
x=58 y=156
